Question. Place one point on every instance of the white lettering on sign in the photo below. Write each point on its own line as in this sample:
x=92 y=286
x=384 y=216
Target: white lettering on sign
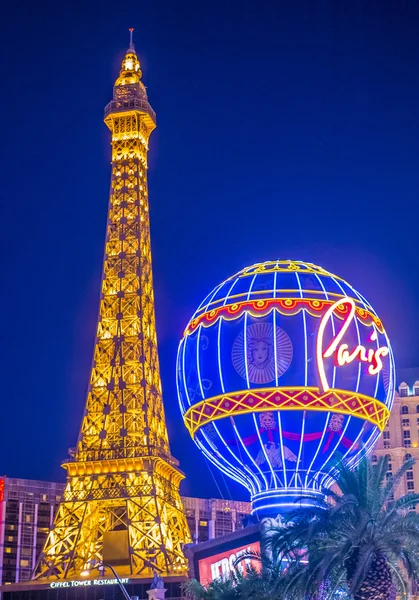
x=86 y=582
x=343 y=356
x=222 y=568
x=222 y=564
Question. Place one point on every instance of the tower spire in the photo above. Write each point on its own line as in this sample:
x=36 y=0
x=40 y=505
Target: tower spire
x=122 y=494
x=131 y=43
x=130 y=73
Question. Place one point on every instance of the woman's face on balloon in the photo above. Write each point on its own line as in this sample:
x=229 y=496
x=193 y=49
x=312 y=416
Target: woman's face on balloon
x=260 y=352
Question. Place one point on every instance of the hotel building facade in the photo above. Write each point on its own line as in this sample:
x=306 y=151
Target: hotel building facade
x=400 y=439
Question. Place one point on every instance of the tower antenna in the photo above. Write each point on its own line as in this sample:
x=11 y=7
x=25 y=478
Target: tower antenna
x=131 y=43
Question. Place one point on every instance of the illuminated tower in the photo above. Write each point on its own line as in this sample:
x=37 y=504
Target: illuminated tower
x=121 y=504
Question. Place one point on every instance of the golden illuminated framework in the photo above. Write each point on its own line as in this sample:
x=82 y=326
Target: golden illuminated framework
x=122 y=499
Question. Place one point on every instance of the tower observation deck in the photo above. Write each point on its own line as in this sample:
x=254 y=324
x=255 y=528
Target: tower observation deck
x=121 y=504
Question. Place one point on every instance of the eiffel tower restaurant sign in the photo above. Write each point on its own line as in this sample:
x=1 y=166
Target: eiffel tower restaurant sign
x=87 y=582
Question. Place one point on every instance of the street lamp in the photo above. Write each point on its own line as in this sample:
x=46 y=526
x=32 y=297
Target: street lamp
x=86 y=573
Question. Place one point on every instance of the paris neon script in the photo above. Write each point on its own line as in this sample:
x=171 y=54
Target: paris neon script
x=341 y=351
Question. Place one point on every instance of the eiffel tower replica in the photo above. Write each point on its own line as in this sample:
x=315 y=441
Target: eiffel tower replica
x=121 y=504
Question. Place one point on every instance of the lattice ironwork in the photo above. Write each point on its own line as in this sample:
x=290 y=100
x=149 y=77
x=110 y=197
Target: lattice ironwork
x=121 y=474
x=282 y=398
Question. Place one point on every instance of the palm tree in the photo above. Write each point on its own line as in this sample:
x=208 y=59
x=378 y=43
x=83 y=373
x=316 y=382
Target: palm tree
x=360 y=537
x=219 y=589
x=253 y=584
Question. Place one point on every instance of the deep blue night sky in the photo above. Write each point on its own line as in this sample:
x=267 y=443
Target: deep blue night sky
x=285 y=130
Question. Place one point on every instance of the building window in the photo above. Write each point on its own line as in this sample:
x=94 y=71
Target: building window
x=409 y=475
x=410 y=486
x=203 y=534
x=374 y=458
x=386 y=435
x=389 y=476
x=403 y=389
x=407 y=443
x=387 y=444
x=405 y=422
x=203 y=525
x=223 y=522
x=406 y=434
x=43 y=529
x=241 y=519
x=407 y=456
x=404 y=409
x=416 y=389
x=190 y=517
x=24 y=563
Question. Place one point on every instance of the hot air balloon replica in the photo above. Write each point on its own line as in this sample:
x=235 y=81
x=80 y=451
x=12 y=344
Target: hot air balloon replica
x=284 y=373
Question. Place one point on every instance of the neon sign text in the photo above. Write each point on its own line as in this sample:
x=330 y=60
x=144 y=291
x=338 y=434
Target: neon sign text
x=86 y=582
x=344 y=356
x=221 y=565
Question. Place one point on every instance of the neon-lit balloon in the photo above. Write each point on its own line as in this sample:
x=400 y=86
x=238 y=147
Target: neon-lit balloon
x=284 y=372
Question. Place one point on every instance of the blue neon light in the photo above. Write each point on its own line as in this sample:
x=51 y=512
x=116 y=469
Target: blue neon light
x=279 y=453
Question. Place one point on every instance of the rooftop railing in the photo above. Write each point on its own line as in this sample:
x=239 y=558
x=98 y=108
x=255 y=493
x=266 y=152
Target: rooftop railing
x=132 y=104
x=115 y=453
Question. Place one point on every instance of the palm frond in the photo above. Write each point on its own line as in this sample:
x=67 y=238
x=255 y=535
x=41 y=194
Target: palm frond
x=344 y=539
x=394 y=481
